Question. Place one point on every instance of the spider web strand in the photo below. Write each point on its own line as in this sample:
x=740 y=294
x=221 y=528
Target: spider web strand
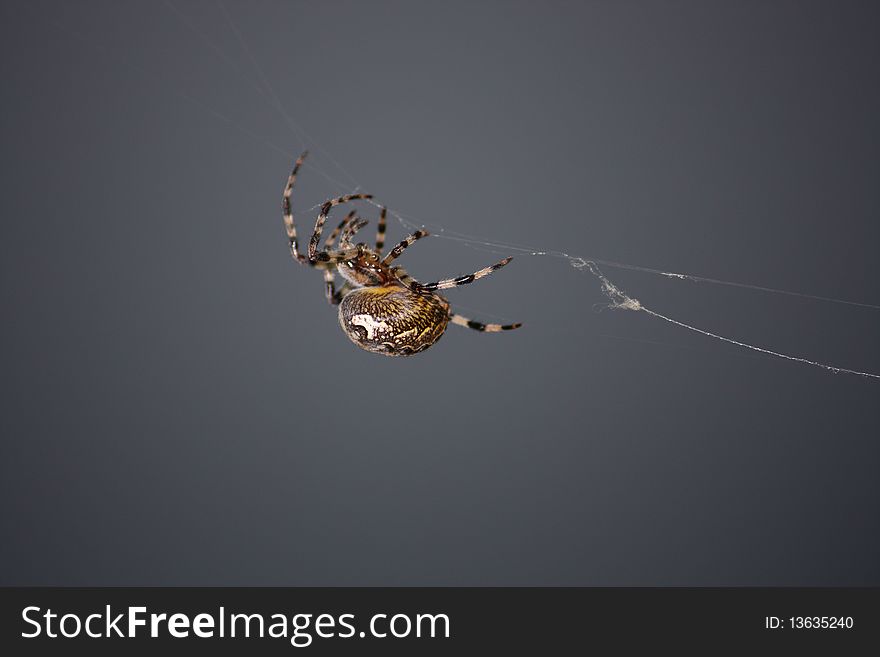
x=622 y=301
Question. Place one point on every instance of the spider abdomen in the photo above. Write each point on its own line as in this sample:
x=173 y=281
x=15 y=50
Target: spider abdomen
x=392 y=320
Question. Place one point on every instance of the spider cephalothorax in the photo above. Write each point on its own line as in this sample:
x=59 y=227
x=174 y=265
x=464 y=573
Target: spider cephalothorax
x=381 y=308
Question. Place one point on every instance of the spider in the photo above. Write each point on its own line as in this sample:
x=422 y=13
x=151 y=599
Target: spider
x=381 y=308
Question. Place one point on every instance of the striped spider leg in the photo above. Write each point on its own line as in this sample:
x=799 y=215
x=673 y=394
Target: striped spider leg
x=331 y=239
x=349 y=228
x=380 y=231
x=408 y=281
x=423 y=288
x=333 y=255
x=328 y=254
x=328 y=257
x=333 y=297
x=446 y=283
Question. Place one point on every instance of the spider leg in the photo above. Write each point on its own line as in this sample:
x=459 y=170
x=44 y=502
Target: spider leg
x=329 y=285
x=380 y=231
x=332 y=239
x=337 y=296
x=479 y=326
x=405 y=279
x=394 y=253
x=287 y=213
x=447 y=283
x=322 y=217
x=335 y=256
x=333 y=295
x=350 y=230
x=408 y=281
x=351 y=226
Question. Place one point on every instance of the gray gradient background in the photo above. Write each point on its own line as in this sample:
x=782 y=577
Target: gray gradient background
x=179 y=405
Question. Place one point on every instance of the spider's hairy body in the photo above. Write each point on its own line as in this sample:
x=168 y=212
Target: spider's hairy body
x=365 y=269
x=392 y=320
x=382 y=309
x=381 y=314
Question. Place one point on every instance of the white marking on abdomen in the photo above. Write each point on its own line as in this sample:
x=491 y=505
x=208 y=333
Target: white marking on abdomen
x=369 y=324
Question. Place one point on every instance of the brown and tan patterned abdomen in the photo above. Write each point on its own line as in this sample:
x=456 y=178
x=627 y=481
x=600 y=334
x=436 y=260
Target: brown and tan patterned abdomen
x=393 y=320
